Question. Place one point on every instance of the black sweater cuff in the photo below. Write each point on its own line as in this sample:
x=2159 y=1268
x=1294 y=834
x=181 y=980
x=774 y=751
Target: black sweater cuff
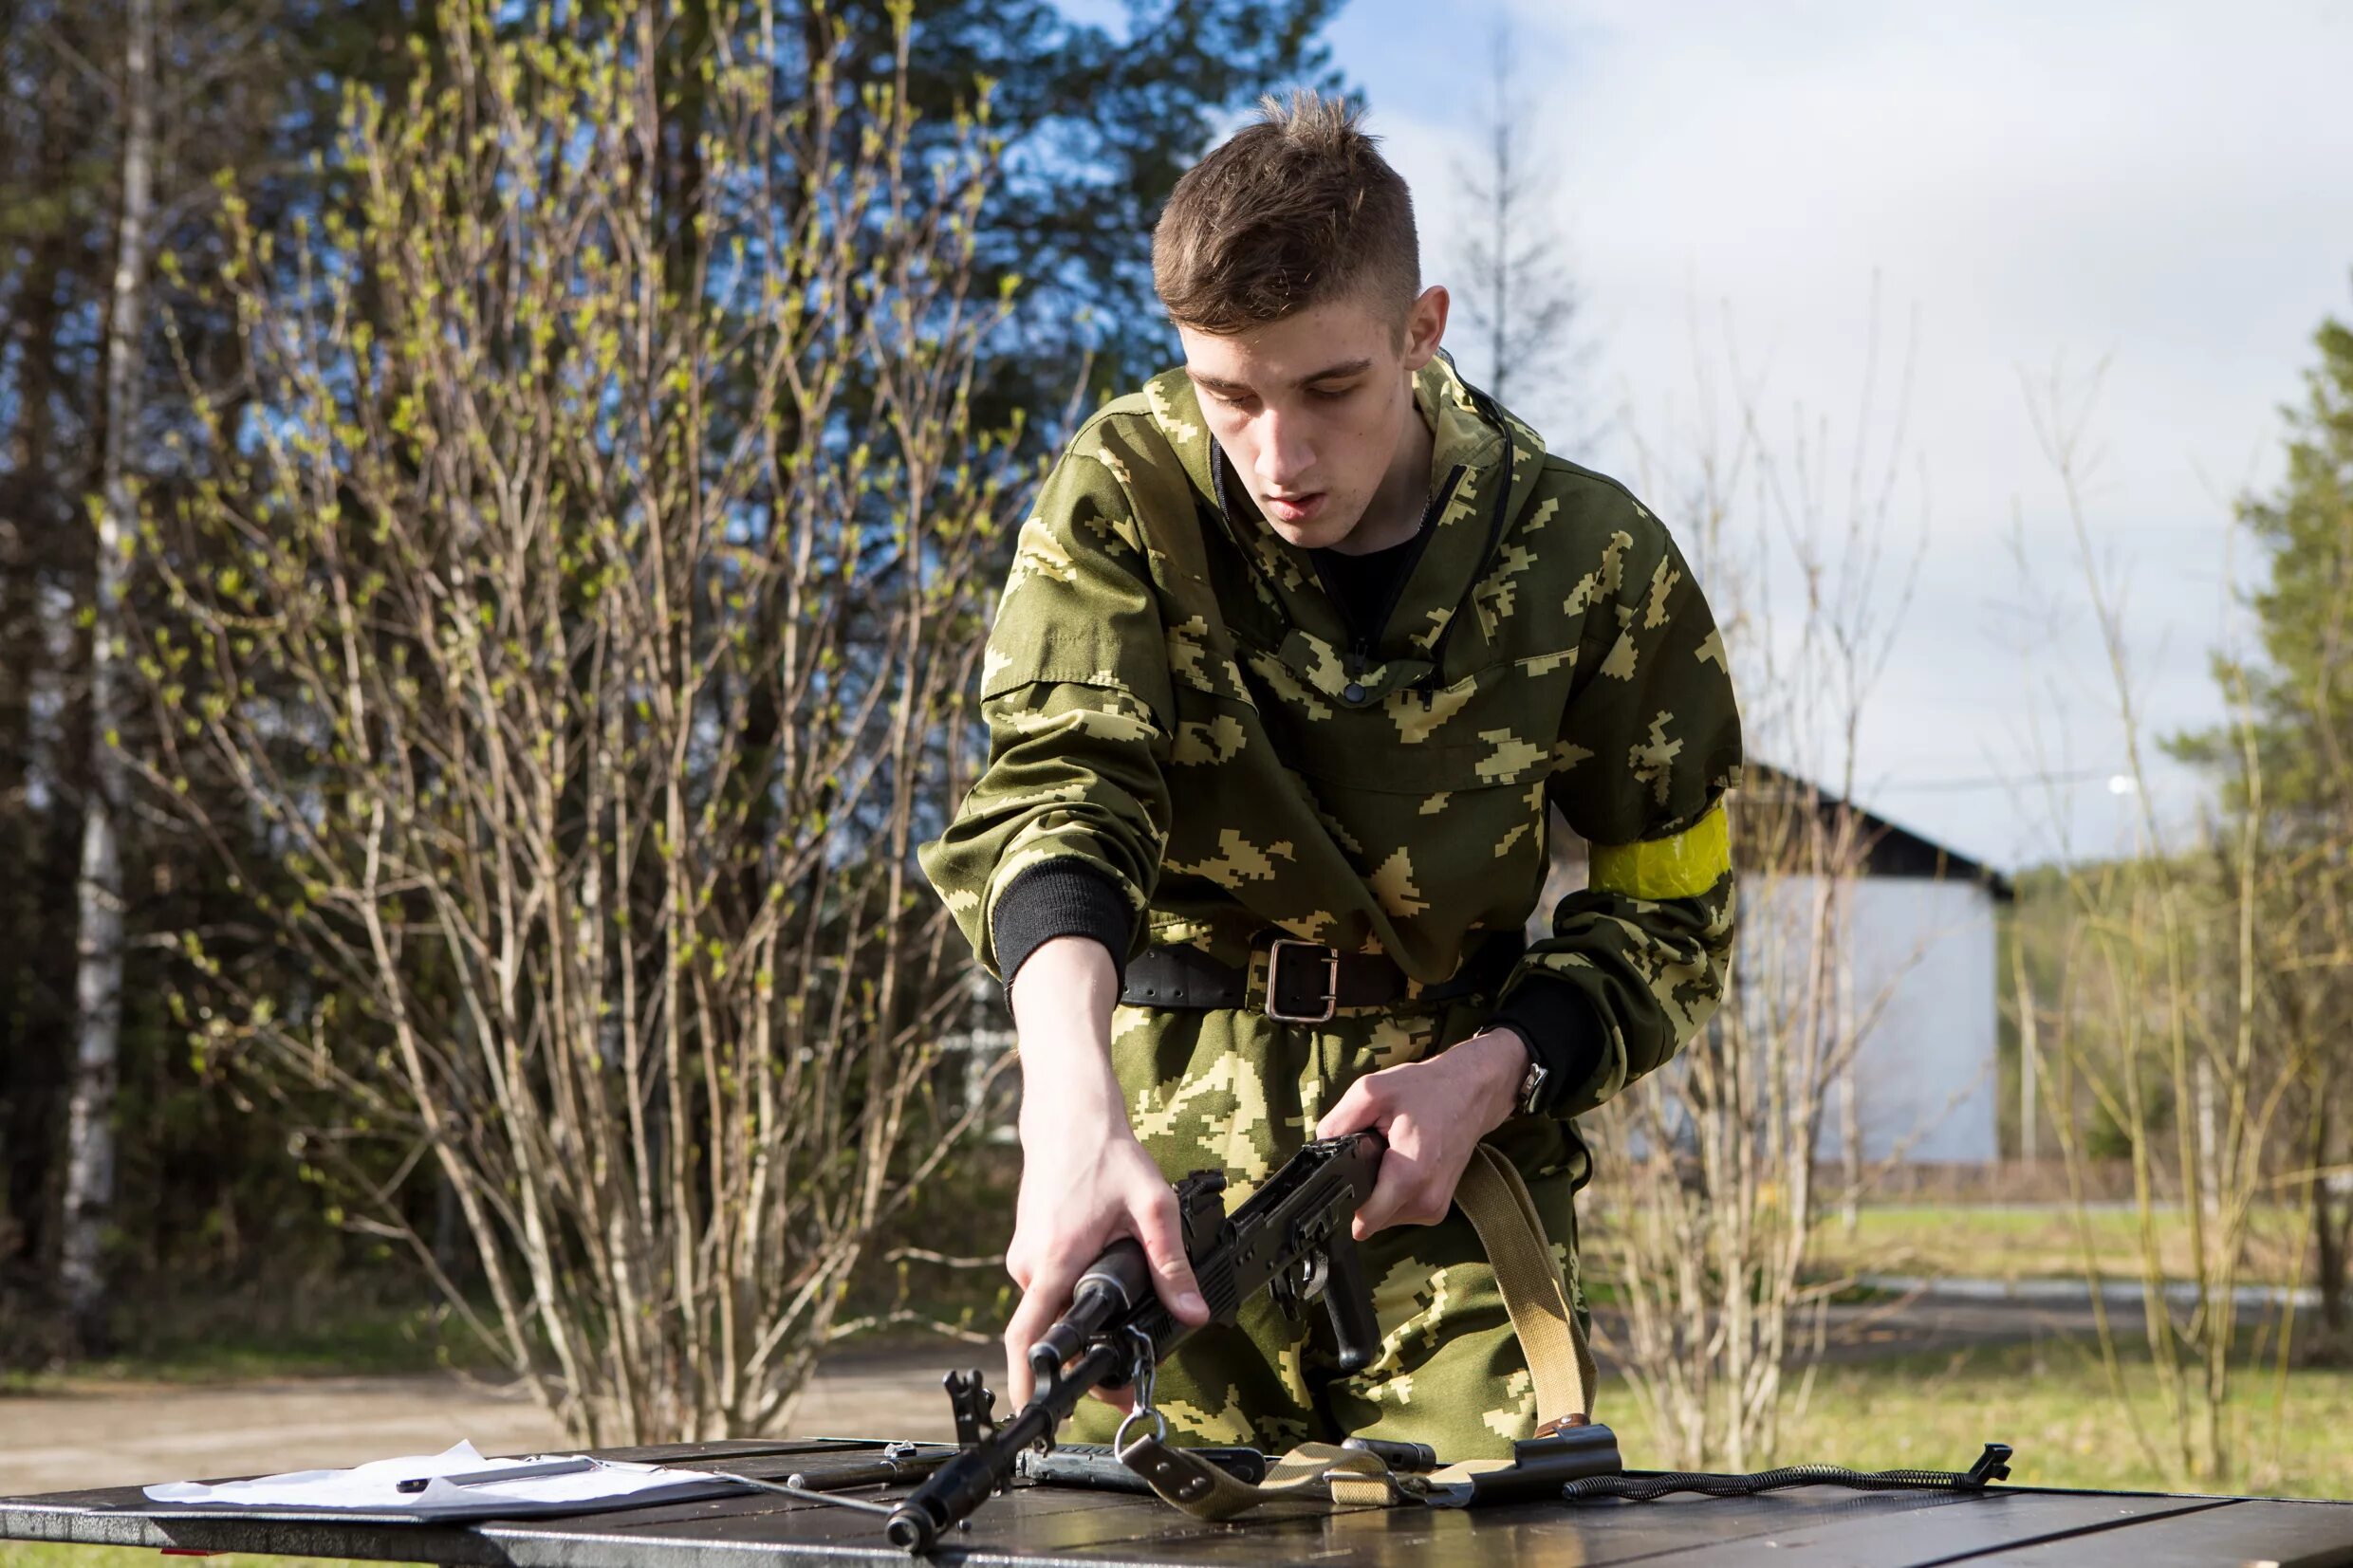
x=1562 y=1027
x=1058 y=898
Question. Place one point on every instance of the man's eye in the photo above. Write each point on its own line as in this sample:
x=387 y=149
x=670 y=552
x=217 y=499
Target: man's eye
x=1331 y=394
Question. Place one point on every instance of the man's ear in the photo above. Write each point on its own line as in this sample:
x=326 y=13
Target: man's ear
x=1425 y=324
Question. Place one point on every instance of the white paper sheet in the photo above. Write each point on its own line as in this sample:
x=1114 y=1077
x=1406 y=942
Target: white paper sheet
x=374 y=1489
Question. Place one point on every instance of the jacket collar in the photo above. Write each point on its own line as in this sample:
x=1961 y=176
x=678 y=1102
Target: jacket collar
x=1483 y=470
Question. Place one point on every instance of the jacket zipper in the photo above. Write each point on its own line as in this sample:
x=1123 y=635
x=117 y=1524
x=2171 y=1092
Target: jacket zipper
x=1360 y=652
x=1225 y=516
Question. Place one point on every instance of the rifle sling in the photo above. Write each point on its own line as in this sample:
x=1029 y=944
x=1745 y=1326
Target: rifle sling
x=1559 y=1361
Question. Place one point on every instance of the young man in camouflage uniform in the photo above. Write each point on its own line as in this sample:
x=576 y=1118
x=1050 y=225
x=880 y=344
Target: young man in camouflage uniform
x=1298 y=647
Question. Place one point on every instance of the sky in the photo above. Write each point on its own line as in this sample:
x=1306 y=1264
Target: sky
x=2150 y=202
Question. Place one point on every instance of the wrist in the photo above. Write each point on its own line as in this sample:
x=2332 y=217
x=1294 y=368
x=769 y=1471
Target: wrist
x=1062 y=1004
x=1069 y=1091
x=1499 y=1058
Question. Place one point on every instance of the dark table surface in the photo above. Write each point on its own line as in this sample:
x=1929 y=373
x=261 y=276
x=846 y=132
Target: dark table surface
x=1810 y=1526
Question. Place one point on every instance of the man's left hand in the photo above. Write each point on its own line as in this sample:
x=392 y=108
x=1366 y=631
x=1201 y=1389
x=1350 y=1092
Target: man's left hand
x=1433 y=1112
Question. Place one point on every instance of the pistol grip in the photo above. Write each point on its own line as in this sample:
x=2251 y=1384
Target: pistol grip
x=1349 y=1297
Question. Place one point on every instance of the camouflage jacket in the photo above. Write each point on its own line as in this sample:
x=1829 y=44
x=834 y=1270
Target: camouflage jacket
x=1173 y=702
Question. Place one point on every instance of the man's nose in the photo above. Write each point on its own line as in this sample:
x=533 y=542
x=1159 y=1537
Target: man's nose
x=1284 y=454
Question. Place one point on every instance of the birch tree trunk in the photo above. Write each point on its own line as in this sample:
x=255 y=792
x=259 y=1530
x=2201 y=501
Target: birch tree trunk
x=98 y=981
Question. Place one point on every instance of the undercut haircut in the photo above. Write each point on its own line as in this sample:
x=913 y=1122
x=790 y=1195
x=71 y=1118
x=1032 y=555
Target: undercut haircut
x=1290 y=213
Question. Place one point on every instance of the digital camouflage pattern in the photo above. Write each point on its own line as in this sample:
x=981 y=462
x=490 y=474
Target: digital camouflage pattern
x=1170 y=700
x=1239 y=1091
x=1174 y=701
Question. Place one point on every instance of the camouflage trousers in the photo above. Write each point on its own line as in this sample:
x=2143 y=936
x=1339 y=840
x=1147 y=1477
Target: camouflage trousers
x=1241 y=1092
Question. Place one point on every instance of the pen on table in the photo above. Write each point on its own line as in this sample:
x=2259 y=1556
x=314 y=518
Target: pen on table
x=513 y=1473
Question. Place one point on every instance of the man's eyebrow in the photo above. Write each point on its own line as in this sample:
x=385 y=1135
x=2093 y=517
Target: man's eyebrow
x=1329 y=372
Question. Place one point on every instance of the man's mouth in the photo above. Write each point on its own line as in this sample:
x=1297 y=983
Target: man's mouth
x=1294 y=508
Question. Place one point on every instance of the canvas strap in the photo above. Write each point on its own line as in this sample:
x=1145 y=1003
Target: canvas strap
x=1322 y=1475
x=1559 y=1361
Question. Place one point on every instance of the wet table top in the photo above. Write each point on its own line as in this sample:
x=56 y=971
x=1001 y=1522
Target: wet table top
x=1033 y=1524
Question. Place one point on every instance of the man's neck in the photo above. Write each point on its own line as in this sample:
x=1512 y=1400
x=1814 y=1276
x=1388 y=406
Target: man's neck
x=1395 y=514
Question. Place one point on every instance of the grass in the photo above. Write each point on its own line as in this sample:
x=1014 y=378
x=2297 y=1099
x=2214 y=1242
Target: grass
x=2050 y=1400
x=2026 y=1242
x=240 y=1341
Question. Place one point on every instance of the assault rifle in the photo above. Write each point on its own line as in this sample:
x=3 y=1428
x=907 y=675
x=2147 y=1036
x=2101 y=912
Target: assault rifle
x=1292 y=1237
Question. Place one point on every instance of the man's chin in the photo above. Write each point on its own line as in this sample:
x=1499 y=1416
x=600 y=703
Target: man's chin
x=1316 y=533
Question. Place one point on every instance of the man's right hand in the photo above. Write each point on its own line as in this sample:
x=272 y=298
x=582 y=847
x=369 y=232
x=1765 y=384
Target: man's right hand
x=1079 y=1193
x=1085 y=1180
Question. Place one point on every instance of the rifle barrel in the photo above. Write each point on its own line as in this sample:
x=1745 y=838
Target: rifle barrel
x=965 y=1482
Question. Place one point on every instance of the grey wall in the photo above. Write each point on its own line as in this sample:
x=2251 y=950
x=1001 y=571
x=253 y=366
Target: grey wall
x=1923 y=1075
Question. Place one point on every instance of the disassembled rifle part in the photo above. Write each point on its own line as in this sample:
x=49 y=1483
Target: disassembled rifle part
x=1294 y=1236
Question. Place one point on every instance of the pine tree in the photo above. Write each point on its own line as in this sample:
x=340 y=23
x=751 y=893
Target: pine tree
x=2290 y=764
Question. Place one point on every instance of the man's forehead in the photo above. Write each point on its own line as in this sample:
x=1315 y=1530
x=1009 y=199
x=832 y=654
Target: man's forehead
x=1247 y=376
x=1324 y=342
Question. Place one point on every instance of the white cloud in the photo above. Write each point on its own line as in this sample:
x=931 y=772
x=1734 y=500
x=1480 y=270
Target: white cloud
x=2152 y=184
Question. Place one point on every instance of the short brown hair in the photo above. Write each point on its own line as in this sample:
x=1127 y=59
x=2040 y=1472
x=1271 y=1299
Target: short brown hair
x=1291 y=211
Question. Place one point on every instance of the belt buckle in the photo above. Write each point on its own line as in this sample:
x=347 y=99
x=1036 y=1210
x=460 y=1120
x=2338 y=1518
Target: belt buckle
x=1274 y=970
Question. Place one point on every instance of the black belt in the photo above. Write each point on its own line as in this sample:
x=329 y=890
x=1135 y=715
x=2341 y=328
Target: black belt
x=1305 y=981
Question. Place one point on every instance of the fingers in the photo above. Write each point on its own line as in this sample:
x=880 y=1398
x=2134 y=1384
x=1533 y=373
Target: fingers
x=1410 y=1190
x=1361 y=1107
x=1367 y=1103
x=1042 y=1301
x=1398 y=1185
x=1154 y=1213
x=1020 y=1260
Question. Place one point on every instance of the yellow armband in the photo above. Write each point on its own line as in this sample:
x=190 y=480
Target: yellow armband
x=1678 y=866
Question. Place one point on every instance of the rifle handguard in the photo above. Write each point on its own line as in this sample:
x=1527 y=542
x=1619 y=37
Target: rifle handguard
x=1115 y=1283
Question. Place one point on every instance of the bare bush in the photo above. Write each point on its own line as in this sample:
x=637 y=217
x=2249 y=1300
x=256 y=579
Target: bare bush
x=1713 y=1165
x=2184 y=1011
x=598 y=530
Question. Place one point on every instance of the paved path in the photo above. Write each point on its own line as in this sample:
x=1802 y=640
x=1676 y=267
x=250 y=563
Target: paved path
x=2076 y=1293
x=1914 y=1323
x=116 y=1435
